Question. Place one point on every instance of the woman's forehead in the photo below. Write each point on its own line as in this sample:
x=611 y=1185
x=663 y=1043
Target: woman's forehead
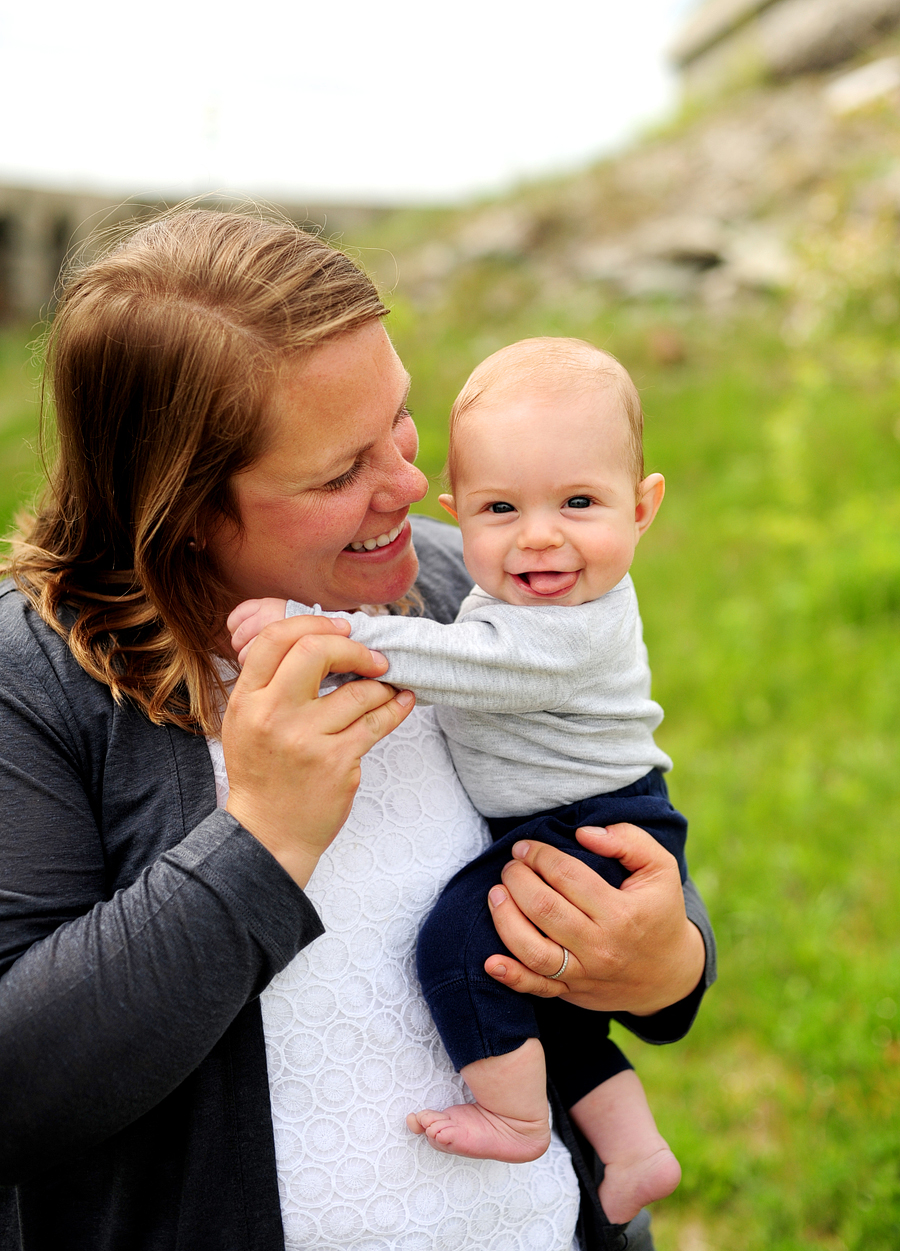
x=336 y=399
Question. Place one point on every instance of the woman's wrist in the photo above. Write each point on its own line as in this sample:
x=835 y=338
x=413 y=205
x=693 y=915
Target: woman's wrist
x=680 y=975
x=295 y=857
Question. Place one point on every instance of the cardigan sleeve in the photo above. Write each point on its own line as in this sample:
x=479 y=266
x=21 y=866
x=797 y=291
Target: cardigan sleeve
x=116 y=979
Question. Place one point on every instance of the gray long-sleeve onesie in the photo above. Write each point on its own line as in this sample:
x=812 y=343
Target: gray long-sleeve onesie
x=541 y=706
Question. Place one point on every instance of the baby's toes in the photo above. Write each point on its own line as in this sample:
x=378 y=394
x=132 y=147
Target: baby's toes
x=419 y=1122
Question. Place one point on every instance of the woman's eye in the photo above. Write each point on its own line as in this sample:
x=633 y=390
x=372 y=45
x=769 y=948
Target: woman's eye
x=345 y=480
x=578 y=501
x=501 y=507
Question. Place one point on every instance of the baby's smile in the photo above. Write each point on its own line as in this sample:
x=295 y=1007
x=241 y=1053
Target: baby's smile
x=549 y=582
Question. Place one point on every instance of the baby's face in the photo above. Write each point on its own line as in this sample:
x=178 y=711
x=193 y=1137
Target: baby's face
x=545 y=496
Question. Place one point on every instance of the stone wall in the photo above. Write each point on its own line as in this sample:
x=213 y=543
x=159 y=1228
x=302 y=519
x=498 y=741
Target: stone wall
x=731 y=42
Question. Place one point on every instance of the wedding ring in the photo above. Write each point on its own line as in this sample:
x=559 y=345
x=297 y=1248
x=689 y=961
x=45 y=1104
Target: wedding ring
x=562 y=968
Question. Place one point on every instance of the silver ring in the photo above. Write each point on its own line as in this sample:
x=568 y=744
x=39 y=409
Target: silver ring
x=562 y=968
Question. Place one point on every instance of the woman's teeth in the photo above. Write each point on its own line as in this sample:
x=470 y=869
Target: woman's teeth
x=369 y=545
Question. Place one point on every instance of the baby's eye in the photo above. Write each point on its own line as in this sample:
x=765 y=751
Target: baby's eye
x=578 y=501
x=501 y=507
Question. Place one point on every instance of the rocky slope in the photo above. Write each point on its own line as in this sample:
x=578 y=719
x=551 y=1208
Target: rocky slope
x=782 y=187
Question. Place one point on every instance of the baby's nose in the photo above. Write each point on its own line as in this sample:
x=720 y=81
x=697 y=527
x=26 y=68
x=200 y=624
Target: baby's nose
x=539 y=533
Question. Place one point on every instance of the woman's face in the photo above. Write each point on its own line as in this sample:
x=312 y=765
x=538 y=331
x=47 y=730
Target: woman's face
x=324 y=507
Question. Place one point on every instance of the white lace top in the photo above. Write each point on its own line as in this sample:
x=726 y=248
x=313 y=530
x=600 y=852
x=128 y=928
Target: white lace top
x=351 y=1047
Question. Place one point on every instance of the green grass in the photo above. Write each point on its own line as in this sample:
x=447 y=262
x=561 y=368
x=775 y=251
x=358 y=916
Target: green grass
x=19 y=408
x=770 y=590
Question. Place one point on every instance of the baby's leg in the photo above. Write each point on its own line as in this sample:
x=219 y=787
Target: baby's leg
x=639 y=1167
x=510 y=1119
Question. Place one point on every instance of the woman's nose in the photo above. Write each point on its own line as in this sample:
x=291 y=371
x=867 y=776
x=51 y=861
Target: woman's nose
x=401 y=485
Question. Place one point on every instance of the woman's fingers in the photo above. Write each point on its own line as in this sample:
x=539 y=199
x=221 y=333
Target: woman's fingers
x=538 y=955
x=293 y=758
x=542 y=956
x=298 y=653
x=637 y=851
x=560 y=893
x=555 y=879
x=631 y=949
x=515 y=976
x=355 y=702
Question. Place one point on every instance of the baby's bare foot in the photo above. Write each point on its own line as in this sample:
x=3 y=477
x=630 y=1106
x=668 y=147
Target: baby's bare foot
x=627 y=1187
x=471 y=1130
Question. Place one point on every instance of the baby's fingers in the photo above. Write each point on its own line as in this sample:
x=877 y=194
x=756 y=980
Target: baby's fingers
x=249 y=618
x=239 y=615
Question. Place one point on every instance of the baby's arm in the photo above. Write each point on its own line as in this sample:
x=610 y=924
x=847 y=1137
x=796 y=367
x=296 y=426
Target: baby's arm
x=497 y=659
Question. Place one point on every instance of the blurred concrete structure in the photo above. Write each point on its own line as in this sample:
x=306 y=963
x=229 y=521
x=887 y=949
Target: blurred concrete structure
x=40 y=228
x=727 y=43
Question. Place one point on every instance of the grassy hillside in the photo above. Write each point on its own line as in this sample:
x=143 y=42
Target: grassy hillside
x=770 y=589
x=19 y=405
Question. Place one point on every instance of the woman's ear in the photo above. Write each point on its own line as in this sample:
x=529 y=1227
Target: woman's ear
x=649 y=497
x=446 y=501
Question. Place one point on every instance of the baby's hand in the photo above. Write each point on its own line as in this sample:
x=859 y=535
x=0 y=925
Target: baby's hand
x=249 y=618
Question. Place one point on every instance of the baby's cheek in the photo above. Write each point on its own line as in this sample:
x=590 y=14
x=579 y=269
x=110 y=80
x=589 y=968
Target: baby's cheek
x=481 y=556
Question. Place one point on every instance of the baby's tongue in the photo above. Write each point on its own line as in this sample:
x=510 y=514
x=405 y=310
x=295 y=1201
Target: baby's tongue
x=551 y=583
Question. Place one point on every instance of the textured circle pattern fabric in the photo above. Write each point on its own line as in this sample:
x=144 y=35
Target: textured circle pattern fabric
x=351 y=1047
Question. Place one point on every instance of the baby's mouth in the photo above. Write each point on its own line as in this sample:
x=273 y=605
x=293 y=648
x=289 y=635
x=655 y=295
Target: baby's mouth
x=549 y=581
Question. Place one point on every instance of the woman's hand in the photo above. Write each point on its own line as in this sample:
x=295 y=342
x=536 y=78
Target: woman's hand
x=631 y=950
x=293 y=758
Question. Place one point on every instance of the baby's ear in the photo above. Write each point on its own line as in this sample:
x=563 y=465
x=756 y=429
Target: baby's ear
x=446 y=501
x=649 y=497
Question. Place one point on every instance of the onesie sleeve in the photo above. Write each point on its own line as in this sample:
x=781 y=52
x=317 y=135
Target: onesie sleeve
x=497 y=659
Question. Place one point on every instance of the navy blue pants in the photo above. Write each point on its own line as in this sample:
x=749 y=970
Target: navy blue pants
x=478 y=1017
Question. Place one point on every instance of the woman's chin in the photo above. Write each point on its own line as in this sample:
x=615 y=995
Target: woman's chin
x=376 y=577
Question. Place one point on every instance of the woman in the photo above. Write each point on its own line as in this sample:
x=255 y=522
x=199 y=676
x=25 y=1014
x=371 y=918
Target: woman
x=232 y=423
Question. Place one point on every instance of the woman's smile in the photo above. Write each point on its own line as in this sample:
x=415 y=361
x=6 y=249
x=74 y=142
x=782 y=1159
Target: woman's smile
x=380 y=541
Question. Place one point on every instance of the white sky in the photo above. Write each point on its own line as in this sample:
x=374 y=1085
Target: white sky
x=392 y=101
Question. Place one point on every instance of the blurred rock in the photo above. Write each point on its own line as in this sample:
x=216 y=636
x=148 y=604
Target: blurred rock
x=757 y=259
x=797 y=36
x=864 y=86
x=727 y=43
x=502 y=231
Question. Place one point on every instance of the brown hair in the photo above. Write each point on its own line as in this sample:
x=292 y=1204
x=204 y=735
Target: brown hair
x=552 y=364
x=160 y=359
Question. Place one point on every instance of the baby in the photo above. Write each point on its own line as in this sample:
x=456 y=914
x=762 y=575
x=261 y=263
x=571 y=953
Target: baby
x=543 y=692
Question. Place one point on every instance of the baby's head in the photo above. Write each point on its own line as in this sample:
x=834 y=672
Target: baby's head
x=546 y=472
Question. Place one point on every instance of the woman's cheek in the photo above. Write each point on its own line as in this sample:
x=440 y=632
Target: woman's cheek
x=335 y=520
